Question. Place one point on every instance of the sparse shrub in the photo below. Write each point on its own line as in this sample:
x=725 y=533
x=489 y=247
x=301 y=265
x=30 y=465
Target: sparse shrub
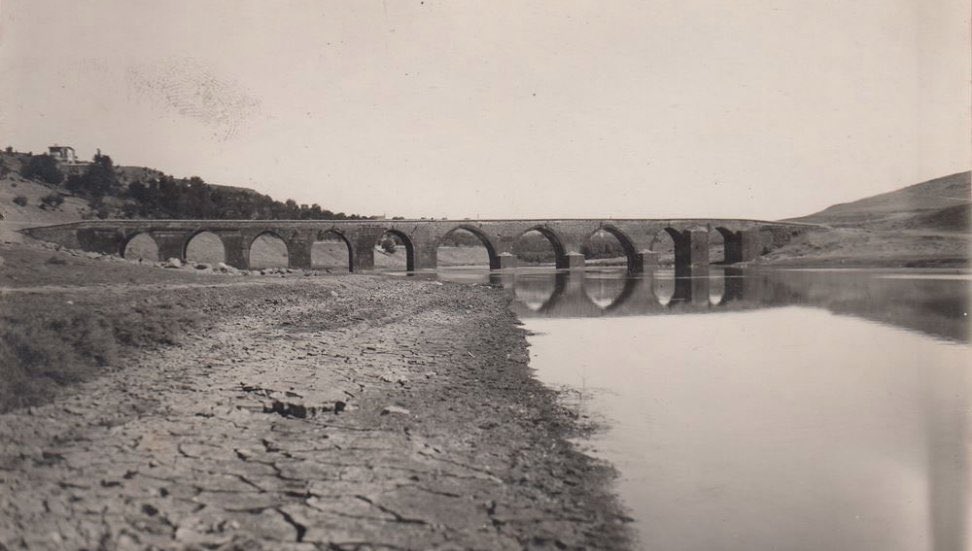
x=52 y=200
x=46 y=343
x=388 y=245
x=20 y=200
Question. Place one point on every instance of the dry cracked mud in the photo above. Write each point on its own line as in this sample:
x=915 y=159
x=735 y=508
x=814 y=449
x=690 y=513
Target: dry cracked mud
x=345 y=413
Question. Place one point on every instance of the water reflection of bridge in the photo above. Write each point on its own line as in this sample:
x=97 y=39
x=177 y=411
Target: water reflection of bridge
x=571 y=294
x=936 y=307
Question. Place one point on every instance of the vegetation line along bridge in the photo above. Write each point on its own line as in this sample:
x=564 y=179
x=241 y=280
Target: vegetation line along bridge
x=744 y=240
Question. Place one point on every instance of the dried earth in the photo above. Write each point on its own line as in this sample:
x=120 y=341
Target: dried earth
x=346 y=412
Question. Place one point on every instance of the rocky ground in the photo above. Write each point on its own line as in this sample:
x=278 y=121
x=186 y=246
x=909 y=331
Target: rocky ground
x=328 y=413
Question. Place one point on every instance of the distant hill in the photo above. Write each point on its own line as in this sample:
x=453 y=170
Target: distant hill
x=939 y=204
x=51 y=190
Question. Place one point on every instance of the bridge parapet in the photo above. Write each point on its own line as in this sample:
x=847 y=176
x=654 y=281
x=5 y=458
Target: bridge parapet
x=744 y=240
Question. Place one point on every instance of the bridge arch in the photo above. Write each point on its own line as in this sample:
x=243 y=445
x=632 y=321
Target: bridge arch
x=556 y=242
x=494 y=261
x=664 y=243
x=323 y=235
x=270 y=245
x=407 y=241
x=204 y=246
x=627 y=246
x=141 y=245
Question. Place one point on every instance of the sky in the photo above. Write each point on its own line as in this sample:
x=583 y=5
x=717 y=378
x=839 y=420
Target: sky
x=659 y=108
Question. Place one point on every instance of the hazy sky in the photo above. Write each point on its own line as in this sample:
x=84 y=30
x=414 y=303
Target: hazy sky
x=735 y=108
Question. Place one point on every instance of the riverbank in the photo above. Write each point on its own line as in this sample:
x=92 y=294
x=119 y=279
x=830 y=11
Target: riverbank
x=339 y=412
x=874 y=248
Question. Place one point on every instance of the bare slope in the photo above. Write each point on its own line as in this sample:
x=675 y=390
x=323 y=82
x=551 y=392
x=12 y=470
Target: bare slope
x=925 y=224
x=941 y=203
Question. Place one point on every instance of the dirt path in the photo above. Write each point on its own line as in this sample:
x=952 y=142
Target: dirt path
x=387 y=414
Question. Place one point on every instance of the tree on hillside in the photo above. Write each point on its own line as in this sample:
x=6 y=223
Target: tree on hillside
x=168 y=197
x=99 y=179
x=43 y=168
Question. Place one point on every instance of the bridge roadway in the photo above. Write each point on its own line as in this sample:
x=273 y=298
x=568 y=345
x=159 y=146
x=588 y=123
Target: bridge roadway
x=744 y=239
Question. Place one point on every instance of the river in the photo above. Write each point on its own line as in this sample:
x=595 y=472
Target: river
x=766 y=409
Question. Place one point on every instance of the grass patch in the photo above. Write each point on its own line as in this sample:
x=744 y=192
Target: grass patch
x=48 y=341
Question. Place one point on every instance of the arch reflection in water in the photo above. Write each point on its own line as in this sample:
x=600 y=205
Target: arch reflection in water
x=663 y=286
x=539 y=292
x=607 y=288
x=717 y=290
x=610 y=292
x=908 y=301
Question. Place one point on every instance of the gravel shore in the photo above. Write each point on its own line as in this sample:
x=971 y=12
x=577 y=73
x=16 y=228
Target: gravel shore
x=348 y=412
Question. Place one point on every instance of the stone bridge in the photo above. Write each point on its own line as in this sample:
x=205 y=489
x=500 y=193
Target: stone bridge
x=744 y=239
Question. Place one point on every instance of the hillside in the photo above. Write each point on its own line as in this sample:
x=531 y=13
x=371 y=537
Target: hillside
x=39 y=190
x=942 y=203
x=922 y=225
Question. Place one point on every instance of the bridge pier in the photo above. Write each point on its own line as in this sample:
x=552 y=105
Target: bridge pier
x=691 y=249
x=504 y=261
x=643 y=262
x=734 y=289
x=741 y=246
x=573 y=261
x=236 y=249
x=692 y=286
x=171 y=244
x=364 y=256
x=299 y=252
x=426 y=256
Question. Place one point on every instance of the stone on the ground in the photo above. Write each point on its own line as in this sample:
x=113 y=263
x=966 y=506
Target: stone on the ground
x=395 y=409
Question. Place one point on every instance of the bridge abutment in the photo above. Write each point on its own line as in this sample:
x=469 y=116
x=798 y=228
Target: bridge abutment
x=106 y=241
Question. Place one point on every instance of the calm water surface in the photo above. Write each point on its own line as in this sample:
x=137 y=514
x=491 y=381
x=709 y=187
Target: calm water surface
x=770 y=409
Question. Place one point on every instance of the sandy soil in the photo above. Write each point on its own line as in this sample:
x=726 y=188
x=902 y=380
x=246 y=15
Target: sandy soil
x=341 y=413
